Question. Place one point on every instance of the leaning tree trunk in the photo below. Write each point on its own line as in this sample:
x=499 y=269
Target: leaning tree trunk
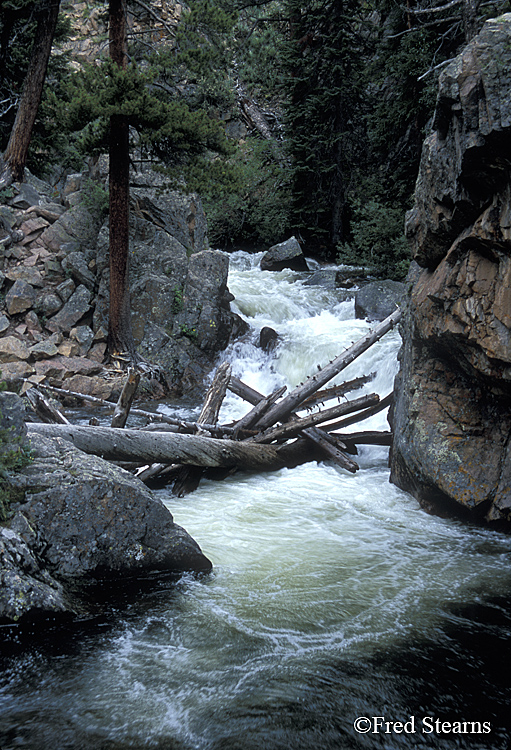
x=120 y=334
x=15 y=155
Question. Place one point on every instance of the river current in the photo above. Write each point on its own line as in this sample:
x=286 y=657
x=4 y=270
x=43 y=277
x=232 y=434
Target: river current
x=339 y=615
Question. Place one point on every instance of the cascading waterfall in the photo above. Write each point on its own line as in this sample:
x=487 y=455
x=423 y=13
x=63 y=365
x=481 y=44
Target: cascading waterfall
x=333 y=596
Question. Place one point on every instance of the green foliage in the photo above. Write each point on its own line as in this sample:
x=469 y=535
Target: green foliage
x=95 y=199
x=177 y=302
x=14 y=455
x=188 y=332
x=378 y=240
x=255 y=206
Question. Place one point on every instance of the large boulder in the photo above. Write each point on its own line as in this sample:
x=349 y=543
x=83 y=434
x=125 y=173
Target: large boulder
x=452 y=414
x=74 y=520
x=286 y=254
x=379 y=299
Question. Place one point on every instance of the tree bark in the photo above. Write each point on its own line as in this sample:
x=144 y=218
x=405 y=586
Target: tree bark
x=164 y=447
x=120 y=334
x=15 y=155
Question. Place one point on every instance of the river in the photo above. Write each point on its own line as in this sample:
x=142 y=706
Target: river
x=334 y=597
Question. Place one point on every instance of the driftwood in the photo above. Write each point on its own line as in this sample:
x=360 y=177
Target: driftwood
x=188 y=478
x=123 y=405
x=281 y=411
x=164 y=447
x=44 y=410
x=279 y=430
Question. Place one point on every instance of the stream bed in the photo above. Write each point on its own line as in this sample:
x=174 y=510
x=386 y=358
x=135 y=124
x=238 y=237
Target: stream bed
x=333 y=598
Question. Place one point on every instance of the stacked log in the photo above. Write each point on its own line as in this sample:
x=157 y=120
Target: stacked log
x=270 y=436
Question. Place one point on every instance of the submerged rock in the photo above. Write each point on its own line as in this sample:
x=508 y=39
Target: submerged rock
x=452 y=414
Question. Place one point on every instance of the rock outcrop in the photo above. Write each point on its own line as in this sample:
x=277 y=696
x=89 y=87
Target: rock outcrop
x=55 y=280
x=452 y=415
x=74 y=520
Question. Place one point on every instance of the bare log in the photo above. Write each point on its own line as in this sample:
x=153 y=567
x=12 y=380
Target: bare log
x=44 y=410
x=281 y=411
x=244 y=391
x=292 y=429
x=259 y=409
x=331 y=449
x=155 y=447
x=189 y=477
x=125 y=401
x=336 y=390
x=297 y=455
x=154 y=416
x=361 y=415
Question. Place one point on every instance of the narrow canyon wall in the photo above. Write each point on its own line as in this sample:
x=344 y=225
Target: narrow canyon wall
x=452 y=414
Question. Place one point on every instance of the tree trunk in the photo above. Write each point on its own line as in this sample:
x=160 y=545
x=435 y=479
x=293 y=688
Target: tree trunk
x=151 y=447
x=120 y=334
x=15 y=155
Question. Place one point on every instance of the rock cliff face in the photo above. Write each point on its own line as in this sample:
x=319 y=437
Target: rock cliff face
x=452 y=416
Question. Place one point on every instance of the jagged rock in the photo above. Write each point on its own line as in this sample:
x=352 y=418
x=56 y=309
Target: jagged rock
x=79 y=519
x=4 y=323
x=12 y=349
x=20 y=297
x=69 y=348
x=75 y=308
x=74 y=263
x=76 y=226
x=452 y=414
x=286 y=254
x=49 y=304
x=378 y=299
x=66 y=289
x=88 y=518
x=24 y=273
x=26 y=590
x=43 y=350
x=84 y=337
x=26 y=196
x=268 y=339
x=14 y=373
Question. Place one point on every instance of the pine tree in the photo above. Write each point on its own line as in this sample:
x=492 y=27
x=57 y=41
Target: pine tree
x=323 y=67
x=14 y=158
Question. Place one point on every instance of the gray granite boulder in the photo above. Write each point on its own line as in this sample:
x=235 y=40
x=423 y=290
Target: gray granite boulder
x=286 y=254
x=379 y=299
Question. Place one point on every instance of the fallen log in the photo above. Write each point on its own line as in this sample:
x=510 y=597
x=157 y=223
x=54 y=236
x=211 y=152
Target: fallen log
x=336 y=390
x=321 y=445
x=189 y=477
x=281 y=411
x=182 y=425
x=162 y=447
x=44 y=410
x=123 y=406
x=293 y=428
x=361 y=415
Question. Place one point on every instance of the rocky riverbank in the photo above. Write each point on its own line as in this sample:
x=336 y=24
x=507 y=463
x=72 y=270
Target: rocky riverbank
x=75 y=520
x=54 y=286
x=452 y=415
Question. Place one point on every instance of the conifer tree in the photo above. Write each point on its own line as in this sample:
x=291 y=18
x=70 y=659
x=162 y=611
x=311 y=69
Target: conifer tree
x=323 y=68
x=14 y=158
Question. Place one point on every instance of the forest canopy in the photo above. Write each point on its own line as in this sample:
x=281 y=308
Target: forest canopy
x=288 y=117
